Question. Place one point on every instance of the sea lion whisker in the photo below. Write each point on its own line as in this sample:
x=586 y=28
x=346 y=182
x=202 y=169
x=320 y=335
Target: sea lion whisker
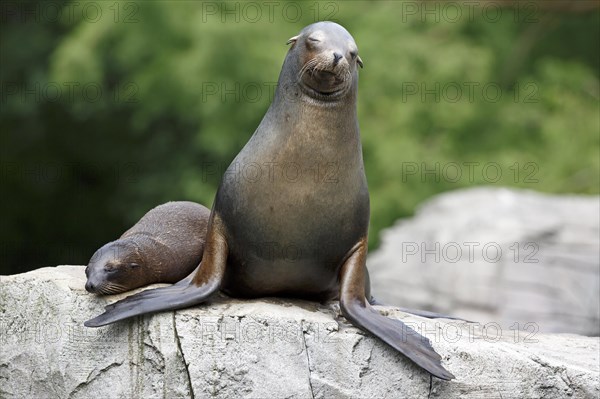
x=111 y=288
x=307 y=66
x=347 y=79
x=116 y=287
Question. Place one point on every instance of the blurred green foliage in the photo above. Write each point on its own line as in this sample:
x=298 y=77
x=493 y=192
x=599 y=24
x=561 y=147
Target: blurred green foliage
x=111 y=108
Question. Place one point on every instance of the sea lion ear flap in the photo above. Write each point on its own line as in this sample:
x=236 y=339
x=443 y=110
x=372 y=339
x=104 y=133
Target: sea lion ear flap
x=293 y=39
x=359 y=61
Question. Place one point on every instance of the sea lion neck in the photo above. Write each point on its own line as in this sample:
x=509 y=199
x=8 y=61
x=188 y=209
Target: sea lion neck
x=295 y=126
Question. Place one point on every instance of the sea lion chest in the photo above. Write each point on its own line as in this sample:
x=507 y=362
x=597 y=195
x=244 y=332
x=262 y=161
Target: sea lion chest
x=294 y=202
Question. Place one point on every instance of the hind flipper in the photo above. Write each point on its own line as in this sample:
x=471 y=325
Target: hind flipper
x=187 y=292
x=398 y=335
x=433 y=315
x=417 y=312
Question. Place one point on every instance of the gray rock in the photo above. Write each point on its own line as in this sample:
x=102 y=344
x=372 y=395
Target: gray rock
x=260 y=348
x=523 y=259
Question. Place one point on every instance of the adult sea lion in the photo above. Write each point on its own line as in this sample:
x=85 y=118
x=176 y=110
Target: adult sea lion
x=164 y=246
x=307 y=190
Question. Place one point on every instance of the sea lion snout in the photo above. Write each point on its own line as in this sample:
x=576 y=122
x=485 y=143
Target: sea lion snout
x=95 y=278
x=103 y=282
x=90 y=287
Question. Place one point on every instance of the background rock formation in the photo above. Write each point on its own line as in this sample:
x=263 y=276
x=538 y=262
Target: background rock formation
x=497 y=254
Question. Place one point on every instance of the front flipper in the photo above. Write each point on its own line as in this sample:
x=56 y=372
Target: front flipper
x=151 y=301
x=398 y=335
x=187 y=292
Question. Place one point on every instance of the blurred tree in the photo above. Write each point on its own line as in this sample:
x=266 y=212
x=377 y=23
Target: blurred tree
x=110 y=108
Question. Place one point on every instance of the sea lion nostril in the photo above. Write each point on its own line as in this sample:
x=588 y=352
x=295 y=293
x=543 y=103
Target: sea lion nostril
x=336 y=58
x=89 y=287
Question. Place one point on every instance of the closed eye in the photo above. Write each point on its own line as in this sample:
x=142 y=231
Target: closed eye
x=110 y=268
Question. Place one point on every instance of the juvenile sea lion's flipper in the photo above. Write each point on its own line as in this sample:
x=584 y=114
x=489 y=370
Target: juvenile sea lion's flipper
x=189 y=291
x=398 y=335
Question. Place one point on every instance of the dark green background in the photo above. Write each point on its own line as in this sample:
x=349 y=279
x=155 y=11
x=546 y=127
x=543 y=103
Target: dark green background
x=109 y=109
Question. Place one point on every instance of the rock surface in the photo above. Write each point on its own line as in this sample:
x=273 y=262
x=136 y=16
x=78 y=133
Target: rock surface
x=261 y=348
x=524 y=259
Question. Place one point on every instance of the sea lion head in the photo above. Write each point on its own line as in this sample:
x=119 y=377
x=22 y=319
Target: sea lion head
x=116 y=267
x=326 y=58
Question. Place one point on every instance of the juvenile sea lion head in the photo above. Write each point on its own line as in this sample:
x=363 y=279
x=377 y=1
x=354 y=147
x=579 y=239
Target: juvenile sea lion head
x=116 y=267
x=326 y=58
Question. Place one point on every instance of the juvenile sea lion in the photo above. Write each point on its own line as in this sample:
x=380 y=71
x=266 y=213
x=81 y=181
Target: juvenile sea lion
x=291 y=215
x=164 y=246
